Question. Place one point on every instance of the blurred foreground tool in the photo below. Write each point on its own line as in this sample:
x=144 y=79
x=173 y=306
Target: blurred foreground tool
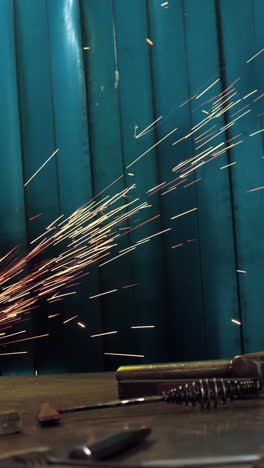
x=153 y=379
x=10 y=422
x=110 y=446
x=205 y=392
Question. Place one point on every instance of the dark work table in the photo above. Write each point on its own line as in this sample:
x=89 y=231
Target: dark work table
x=177 y=431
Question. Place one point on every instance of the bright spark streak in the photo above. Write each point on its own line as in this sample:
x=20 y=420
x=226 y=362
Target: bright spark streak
x=205 y=112
x=130 y=174
x=142 y=241
x=237 y=112
x=182 y=214
x=253 y=190
x=17 y=352
x=153 y=188
x=34 y=217
x=236 y=322
x=62 y=295
x=148 y=150
x=185 y=102
x=130 y=285
x=163 y=4
x=120 y=255
x=153 y=235
x=25 y=339
x=252 y=92
x=13 y=334
x=177 y=245
x=53 y=315
x=103 y=334
x=145 y=222
x=149 y=41
x=55 y=220
x=86 y=48
x=68 y=320
x=211 y=128
x=129 y=355
x=191 y=183
x=199 y=95
x=255 y=133
x=144 y=326
x=145 y=129
x=231 y=164
x=103 y=294
x=41 y=167
x=249 y=60
x=81 y=324
x=241 y=271
x=259 y=97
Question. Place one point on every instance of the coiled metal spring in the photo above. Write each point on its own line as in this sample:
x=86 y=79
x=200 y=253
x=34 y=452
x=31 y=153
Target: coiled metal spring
x=208 y=391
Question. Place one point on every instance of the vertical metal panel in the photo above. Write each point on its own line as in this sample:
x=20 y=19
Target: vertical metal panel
x=12 y=210
x=107 y=158
x=136 y=105
x=38 y=142
x=213 y=191
x=238 y=29
x=74 y=165
x=183 y=317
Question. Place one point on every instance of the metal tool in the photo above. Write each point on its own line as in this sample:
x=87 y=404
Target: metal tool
x=202 y=391
x=245 y=365
x=110 y=446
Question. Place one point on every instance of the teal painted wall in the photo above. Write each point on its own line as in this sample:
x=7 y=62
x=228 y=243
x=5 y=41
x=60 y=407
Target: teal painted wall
x=55 y=94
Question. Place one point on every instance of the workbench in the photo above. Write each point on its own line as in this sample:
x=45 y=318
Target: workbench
x=177 y=431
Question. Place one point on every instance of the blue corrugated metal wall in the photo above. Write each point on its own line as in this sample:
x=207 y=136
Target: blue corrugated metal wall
x=55 y=94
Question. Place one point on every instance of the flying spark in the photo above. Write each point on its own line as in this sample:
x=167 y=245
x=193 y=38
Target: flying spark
x=144 y=326
x=103 y=294
x=237 y=322
x=185 y=212
x=41 y=167
x=36 y=216
x=25 y=339
x=152 y=147
x=149 y=41
x=252 y=92
x=130 y=285
x=249 y=60
x=72 y=318
x=81 y=324
x=199 y=95
x=17 y=352
x=231 y=164
x=259 y=97
x=103 y=334
x=191 y=183
x=254 y=189
x=127 y=355
x=255 y=133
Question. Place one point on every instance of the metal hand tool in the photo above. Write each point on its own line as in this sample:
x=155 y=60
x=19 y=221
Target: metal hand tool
x=202 y=391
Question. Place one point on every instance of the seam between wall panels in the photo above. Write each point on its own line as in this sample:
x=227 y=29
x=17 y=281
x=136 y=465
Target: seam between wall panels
x=230 y=178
